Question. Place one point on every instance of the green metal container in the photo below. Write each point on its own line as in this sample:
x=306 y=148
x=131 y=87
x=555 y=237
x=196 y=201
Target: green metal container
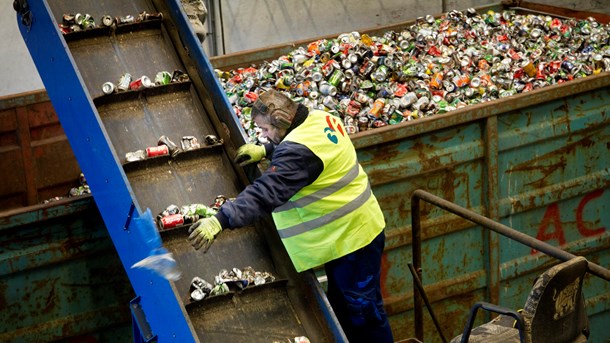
x=60 y=277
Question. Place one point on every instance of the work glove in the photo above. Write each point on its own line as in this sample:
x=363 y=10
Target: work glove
x=249 y=153
x=202 y=233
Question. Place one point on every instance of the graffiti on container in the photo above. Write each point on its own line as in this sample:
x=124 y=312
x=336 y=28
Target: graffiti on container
x=551 y=227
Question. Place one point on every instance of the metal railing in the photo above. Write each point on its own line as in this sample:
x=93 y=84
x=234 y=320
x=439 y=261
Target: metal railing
x=484 y=222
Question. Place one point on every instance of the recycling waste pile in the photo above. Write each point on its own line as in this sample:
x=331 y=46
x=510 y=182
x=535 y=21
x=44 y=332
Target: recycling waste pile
x=432 y=67
x=174 y=216
x=82 y=189
x=226 y=280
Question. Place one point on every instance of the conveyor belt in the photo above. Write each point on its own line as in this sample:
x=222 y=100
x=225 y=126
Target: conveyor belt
x=103 y=128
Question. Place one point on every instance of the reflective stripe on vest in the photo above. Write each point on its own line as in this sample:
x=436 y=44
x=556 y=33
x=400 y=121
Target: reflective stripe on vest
x=322 y=193
x=328 y=218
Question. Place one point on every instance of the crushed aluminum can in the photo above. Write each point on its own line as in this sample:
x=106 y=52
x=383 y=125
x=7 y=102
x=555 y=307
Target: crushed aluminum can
x=363 y=123
x=160 y=150
x=189 y=143
x=64 y=29
x=350 y=128
x=248 y=273
x=205 y=211
x=76 y=191
x=75 y=28
x=200 y=288
x=168 y=211
x=124 y=82
x=107 y=21
x=153 y=16
x=190 y=219
x=163 y=78
x=52 y=199
x=529 y=68
x=128 y=19
x=108 y=88
x=145 y=16
x=218 y=202
x=172 y=209
x=259 y=279
x=137 y=155
x=68 y=19
x=199 y=210
x=173 y=148
x=212 y=140
x=179 y=76
x=143 y=81
x=85 y=21
x=220 y=289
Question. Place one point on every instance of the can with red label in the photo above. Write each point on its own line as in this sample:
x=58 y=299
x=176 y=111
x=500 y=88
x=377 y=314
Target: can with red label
x=540 y=72
x=144 y=81
x=353 y=108
x=157 y=151
x=171 y=221
x=250 y=97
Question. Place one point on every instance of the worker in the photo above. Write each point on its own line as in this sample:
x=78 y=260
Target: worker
x=322 y=205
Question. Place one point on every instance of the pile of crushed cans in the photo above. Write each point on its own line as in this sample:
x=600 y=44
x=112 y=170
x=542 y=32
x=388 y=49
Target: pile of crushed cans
x=126 y=81
x=81 y=22
x=434 y=66
x=174 y=216
x=82 y=189
x=166 y=146
x=228 y=280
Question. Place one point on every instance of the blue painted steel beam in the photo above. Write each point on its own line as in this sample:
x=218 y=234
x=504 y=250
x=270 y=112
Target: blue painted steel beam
x=97 y=159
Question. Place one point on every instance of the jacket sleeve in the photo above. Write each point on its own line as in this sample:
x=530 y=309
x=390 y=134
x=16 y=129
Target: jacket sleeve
x=293 y=166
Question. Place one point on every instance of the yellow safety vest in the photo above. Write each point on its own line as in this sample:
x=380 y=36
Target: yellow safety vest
x=335 y=215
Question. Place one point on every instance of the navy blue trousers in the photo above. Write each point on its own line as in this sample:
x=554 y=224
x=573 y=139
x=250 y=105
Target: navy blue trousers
x=354 y=292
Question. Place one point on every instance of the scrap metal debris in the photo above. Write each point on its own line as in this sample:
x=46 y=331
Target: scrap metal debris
x=228 y=280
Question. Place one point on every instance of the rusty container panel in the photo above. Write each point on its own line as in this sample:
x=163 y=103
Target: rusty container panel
x=554 y=184
x=60 y=277
x=36 y=160
x=541 y=169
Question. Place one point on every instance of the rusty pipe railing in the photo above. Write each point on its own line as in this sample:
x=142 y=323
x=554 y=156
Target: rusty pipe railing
x=485 y=222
